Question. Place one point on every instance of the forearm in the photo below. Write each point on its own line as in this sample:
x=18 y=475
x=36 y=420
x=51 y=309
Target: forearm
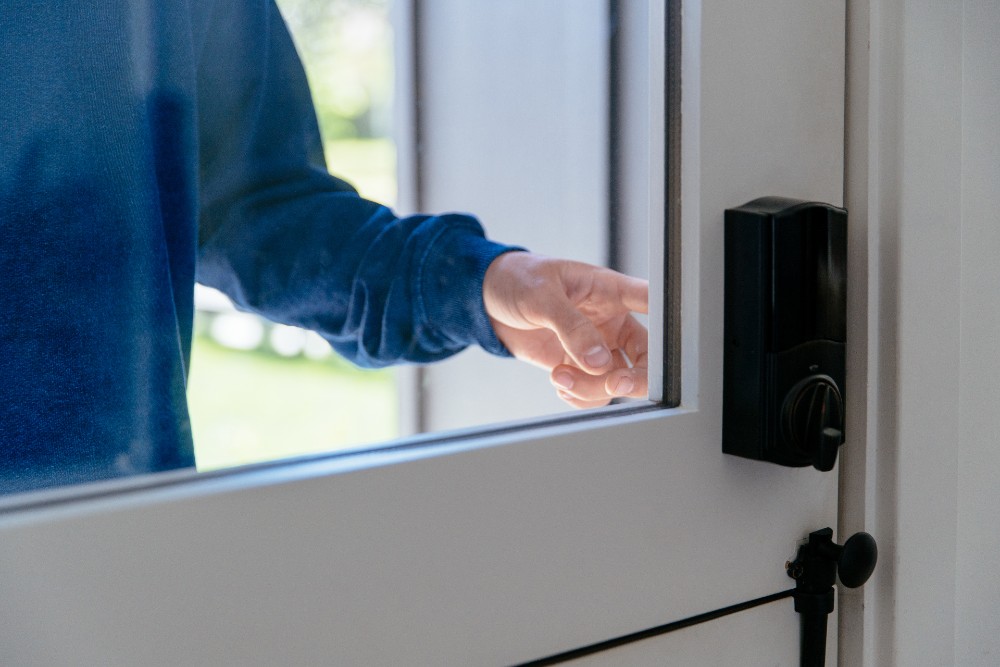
x=380 y=289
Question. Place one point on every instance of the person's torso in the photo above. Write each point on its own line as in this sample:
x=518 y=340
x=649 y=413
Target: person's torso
x=98 y=215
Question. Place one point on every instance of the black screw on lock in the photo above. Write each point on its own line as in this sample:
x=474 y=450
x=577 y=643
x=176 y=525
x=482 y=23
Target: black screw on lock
x=815 y=570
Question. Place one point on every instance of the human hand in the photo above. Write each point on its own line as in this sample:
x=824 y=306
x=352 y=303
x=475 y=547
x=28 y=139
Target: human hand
x=574 y=320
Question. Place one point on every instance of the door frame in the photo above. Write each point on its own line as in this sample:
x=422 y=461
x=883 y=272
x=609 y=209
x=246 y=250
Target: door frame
x=921 y=86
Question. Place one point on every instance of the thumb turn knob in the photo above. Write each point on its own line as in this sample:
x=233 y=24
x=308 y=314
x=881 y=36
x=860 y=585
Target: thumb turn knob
x=821 y=560
x=814 y=420
x=855 y=560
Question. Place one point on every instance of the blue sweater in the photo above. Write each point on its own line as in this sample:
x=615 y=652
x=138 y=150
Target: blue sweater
x=147 y=144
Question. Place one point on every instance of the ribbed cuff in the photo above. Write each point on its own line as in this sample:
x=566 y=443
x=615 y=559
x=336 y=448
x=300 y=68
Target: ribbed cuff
x=452 y=284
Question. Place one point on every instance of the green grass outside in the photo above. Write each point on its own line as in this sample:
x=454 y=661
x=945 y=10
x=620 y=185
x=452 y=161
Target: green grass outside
x=253 y=406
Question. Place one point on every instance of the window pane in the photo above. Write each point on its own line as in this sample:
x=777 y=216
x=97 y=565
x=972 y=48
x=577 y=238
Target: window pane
x=194 y=169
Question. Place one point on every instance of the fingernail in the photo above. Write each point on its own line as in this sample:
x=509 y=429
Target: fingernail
x=624 y=387
x=564 y=380
x=598 y=357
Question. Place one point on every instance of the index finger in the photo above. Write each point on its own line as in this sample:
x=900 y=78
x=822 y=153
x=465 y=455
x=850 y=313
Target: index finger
x=634 y=292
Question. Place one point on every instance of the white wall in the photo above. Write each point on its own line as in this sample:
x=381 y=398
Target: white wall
x=921 y=473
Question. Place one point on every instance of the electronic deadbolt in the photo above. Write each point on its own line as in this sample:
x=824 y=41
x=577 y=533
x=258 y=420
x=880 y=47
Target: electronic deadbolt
x=785 y=330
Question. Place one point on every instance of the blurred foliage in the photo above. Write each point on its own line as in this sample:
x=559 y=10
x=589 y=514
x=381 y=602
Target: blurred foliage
x=368 y=164
x=346 y=46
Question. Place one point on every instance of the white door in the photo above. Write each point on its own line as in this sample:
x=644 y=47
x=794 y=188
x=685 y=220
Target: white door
x=507 y=546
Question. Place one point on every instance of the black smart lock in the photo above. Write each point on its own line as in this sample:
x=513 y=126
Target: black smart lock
x=785 y=330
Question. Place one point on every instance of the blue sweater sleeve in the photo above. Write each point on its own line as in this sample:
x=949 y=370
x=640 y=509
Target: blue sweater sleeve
x=286 y=240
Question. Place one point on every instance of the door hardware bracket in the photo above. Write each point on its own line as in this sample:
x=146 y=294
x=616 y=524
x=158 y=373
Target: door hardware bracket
x=817 y=566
